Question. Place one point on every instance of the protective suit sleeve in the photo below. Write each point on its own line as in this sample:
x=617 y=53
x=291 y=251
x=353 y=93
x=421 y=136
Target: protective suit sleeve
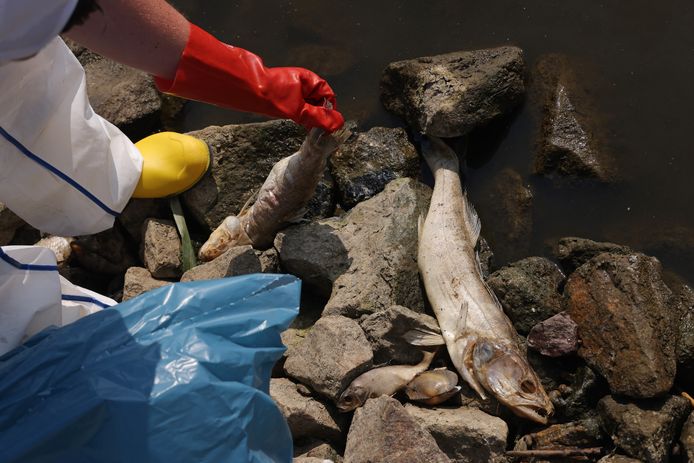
x=63 y=169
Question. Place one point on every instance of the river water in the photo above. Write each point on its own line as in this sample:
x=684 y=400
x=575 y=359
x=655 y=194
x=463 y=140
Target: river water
x=637 y=60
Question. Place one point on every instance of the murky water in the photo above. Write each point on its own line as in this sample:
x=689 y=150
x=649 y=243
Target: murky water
x=640 y=54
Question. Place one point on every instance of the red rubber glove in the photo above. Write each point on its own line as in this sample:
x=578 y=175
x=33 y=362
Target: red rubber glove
x=217 y=73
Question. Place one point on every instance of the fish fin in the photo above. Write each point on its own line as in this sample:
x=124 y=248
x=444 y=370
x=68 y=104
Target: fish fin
x=472 y=220
x=467 y=372
x=423 y=337
x=249 y=202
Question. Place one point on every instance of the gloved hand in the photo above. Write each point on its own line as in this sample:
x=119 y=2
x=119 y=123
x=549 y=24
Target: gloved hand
x=217 y=73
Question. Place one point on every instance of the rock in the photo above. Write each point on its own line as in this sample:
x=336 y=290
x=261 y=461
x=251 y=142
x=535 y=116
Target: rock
x=449 y=95
x=243 y=155
x=618 y=459
x=554 y=337
x=576 y=398
x=687 y=439
x=139 y=210
x=625 y=321
x=685 y=341
x=385 y=331
x=240 y=260
x=366 y=260
x=161 y=248
x=579 y=434
x=333 y=353
x=269 y=260
x=466 y=435
x=310 y=460
x=382 y=431
x=572 y=252
x=106 y=252
x=317 y=449
x=509 y=228
x=324 y=201
x=306 y=416
x=528 y=291
x=569 y=144
x=367 y=162
x=138 y=280
x=644 y=430
x=9 y=223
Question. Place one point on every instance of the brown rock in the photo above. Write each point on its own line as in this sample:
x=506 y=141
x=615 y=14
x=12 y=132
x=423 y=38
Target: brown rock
x=554 y=337
x=687 y=439
x=161 y=248
x=572 y=252
x=138 y=280
x=241 y=260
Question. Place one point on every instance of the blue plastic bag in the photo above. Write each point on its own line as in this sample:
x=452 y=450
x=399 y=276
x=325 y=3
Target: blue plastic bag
x=179 y=374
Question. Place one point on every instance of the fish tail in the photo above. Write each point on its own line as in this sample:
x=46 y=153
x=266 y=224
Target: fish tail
x=439 y=155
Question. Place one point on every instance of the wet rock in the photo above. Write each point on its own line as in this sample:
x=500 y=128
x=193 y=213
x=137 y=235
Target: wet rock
x=685 y=341
x=528 y=291
x=687 y=439
x=333 y=353
x=138 y=280
x=9 y=223
x=240 y=260
x=579 y=434
x=510 y=227
x=366 y=259
x=317 y=449
x=385 y=331
x=107 y=252
x=243 y=155
x=324 y=201
x=554 y=337
x=306 y=416
x=625 y=321
x=569 y=144
x=466 y=435
x=576 y=398
x=139 y=210
x=367 y=162
x=383 y=431
x=618 y=459
x=324 y=60
x=161 y=248
x=449 y=95
x=572 y=252
x=644 y=430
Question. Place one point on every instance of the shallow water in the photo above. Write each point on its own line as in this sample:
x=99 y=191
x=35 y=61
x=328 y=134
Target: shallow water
x=638 y=61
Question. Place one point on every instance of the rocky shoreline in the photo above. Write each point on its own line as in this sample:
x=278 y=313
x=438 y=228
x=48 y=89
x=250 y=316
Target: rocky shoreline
x=610 y=334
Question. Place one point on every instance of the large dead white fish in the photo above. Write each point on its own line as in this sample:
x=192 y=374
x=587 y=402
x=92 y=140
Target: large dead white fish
x=481 y=341
x=281 y=200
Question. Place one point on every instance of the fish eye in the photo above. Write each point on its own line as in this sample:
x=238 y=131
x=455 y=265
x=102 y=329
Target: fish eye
x=528 y=387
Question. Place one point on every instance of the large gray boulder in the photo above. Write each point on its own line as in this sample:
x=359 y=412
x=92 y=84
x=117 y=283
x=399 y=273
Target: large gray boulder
x=368 y=161
x=333 y=353
x=626 y=322
x=366 y=260
x=382 y=431
x=529 y=291
x=161 y=248
x=644 y=430
x=466 y=435
x=9 y=224
x=449 y=95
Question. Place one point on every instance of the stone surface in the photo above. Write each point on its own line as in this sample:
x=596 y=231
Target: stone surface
x=466 y=435
x=644 y=430
x=687 y=439
x=576 y=397
x=161 y=248
x=365 y=260
x=243 y=156
x=554 y=337
x=625 y=321
x=572 y=252
x=569 y=144
x=306 y=416
x=9 y=224
x=385 y=331
x=269 y=260
x=618 y=459
x=685 y=341
x=368 y=161
x=528 y=291
x=138 y=280
x=324 y=201
x=317 y=449
x=107 y=252
x=578 y=434
x=139 y=210
x=449 y=95
x=240 y=260
x=332 y=354
x=382 y=431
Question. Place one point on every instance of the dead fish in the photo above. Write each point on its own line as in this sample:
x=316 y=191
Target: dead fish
x=481 y=341
x=60 y=245
x=433 y=387
x=281 y=200
x=381 y=381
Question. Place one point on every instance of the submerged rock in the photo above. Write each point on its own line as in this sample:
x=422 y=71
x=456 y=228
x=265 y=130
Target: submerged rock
x=554 y=337
x=528 y=291
x=625 y=321
x=161 y=248
x=138 y=280
x=382 y=431
x=9 y=224
x=333 y=353
x=466 y=435
x=240 y=260
x=644 y=430
x=449 y=95
x=368 y=161
x=572 y=252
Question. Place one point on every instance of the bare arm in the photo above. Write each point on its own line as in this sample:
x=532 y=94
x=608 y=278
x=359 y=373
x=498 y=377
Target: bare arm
x=149 y=35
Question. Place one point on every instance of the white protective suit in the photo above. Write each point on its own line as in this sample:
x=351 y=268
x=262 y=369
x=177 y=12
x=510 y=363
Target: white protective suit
x=63 y=169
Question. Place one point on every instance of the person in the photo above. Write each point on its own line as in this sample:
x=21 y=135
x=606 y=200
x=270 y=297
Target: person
x=67 y=171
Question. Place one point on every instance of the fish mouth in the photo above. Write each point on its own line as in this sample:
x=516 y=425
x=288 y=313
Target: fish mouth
x=536 y=413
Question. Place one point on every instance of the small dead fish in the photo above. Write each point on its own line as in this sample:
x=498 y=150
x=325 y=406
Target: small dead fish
x=381 y=381
x=433 y=387
x=60 y=245
x=281 y=200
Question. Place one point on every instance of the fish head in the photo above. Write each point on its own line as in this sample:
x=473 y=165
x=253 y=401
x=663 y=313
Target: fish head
x=353 y=397
x=229 y=234
x=504 y=372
